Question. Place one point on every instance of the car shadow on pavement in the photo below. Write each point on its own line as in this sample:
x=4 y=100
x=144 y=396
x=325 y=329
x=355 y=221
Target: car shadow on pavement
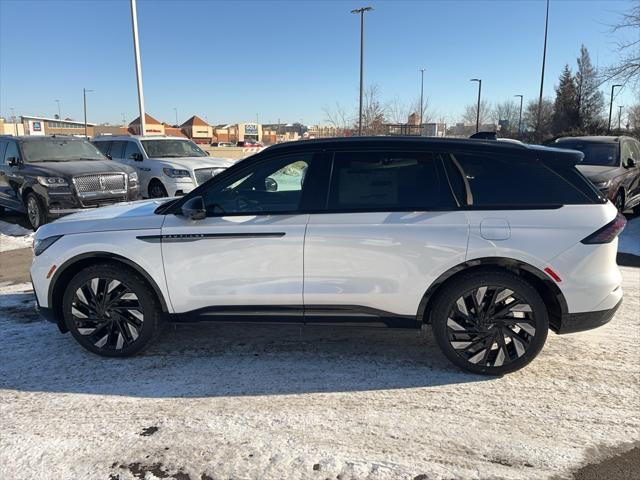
x=212 y=360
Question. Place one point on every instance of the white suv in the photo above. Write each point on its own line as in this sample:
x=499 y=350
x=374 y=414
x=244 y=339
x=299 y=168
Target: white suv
x=490 y=243
x=166 y=166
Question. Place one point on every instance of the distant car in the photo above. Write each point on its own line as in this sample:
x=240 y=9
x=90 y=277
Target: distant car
x=612 y=164
x=225 y=144
x=166 y=166
x=50 y=176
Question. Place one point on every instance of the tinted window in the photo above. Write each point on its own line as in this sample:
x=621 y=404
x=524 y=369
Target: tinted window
x=383 y=181
x=132 y=149
x=102 y=146
x=273 y=186
x=12 y=151
x=501 y=181
x=117 y=149
x=59 y=150
x=603 y=154
x=172 y=149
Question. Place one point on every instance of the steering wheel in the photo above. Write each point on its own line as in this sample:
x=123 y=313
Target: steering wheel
x=246 y=204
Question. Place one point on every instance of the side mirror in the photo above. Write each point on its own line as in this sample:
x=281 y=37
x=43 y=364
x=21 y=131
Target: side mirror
x=13 y=161
x=194 y=209
x=631 y=163
x=270 y=185
x=137 y=157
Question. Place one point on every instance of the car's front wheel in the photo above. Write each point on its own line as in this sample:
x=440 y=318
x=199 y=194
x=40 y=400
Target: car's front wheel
x=157 y=190
x=35 y=211
x=111 y=310
x=490 y=322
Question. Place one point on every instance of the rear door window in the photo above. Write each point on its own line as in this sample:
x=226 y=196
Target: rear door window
x=117 y=149
x=501 y=181
x=388 y=181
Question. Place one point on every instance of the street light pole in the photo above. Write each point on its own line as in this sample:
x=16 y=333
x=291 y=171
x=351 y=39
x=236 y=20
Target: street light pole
x=611 y=106
x=421 y=97
x=59 y=114
x=136 y=53
x=84 y=101
x=520 y=116
x=544 y=60
x=478 y=110
x=361 y=11
x=619 y=117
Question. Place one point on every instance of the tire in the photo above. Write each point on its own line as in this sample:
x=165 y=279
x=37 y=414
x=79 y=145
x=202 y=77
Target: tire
x=121 y=328
x=618 y=201
x=157 y=190
x=489 y=345
x=35 y=211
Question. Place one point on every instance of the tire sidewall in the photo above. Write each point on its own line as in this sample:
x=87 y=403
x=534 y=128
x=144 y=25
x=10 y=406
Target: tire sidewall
x=137 y=285
x=156 y=184
x=445 y=301
x=42 y=218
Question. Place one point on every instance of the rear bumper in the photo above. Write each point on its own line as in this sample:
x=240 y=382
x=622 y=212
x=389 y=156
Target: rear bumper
x=578 y=322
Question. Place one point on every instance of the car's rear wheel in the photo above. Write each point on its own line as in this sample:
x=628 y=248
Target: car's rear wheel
x=157 y=190
x=490 y=322
x=35 y=211
x=111 y=310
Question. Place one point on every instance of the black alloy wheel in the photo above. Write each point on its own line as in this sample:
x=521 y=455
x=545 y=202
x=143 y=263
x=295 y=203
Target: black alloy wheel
x=35 y=211
x=157 y=190
x=491 y=323
x=111 y=310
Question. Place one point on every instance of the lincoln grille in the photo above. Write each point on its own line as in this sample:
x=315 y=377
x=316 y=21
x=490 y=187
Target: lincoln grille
x=101 y=182
x=204 y=174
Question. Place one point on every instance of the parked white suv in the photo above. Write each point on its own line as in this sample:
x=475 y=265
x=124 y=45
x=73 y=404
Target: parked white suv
x=491 y=243
x=166 y=166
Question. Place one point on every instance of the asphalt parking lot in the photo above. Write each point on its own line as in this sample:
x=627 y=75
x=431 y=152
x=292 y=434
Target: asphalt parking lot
x=216 y=401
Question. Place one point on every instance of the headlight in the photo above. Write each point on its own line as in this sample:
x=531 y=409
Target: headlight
x=176 y=173
x=604 y=184
x=133 y=178
x=52 y=182
x=40 y=245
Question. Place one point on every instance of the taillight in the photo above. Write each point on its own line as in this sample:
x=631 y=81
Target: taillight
x=607 y=233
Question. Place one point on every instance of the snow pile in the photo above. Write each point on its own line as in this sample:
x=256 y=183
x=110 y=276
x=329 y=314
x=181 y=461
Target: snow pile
x=273 y=402
x=14 y=236
x=629 y=241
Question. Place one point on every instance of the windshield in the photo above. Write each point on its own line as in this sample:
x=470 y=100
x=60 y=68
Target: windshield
x=600 y=154
x=172 y=149
x=59 y=150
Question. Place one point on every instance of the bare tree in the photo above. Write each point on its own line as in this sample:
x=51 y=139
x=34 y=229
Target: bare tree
x=338 y=118
x=633 y=117
x=506 y=114
x=533 y=130
x=398 y=111
x=374 y=112
x=626 y=69
x=470 y=113
x=427 y=112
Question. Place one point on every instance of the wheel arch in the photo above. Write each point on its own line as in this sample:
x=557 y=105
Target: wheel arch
x=68 y=269
x=548 y=290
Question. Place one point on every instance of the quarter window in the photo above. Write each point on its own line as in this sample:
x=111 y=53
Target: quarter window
x=388 y=181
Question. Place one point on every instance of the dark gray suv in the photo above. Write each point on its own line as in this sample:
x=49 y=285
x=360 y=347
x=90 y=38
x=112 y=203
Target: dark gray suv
x=50 y=176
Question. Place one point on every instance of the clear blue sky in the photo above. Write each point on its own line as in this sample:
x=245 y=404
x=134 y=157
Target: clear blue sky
x=228 y=60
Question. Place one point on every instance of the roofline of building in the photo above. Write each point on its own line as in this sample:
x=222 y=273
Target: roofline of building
x=47 y=119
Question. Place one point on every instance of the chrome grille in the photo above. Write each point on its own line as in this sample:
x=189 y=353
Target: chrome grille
x=100 y=183
x=204 y=174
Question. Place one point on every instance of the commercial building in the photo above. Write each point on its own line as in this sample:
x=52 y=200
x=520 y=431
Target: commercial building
x=54 y=126
x=198 y=130
x=11 y=128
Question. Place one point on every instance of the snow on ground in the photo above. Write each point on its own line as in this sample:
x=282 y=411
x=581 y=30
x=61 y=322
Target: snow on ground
x=629 y=241
x=13 y=236
x=267 y=402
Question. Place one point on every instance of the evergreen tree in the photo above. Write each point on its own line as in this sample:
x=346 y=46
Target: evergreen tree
x=589 y=98
x=565 y=109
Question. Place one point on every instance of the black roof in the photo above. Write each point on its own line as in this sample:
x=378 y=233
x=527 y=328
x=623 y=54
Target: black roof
x=40 y=138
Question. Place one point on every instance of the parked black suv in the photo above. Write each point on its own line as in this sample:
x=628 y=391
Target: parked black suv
x=49 y=176
x=612 y=164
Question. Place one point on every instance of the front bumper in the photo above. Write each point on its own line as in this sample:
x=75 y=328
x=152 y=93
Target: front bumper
x=578 y=322
x=64 y=202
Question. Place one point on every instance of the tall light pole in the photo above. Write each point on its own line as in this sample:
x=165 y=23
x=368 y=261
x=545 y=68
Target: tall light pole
x=479 y=93
x=361 y=11
x=136 y=53
x=59 y=114
x=84 y=101
x=544 y=60
x=611 y=106
x=619 y=117
x=421 y=97
x=520 y=116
